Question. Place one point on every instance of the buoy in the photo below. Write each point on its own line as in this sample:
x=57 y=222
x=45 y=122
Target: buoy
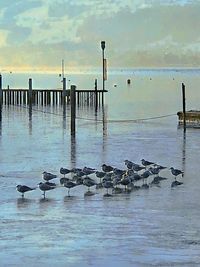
x=128 y=81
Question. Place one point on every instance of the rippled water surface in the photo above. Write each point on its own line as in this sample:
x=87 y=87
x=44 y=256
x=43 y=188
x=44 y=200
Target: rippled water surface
x=154 y=227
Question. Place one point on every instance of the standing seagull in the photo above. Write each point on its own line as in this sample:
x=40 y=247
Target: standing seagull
x=47 y=176
x=45 y=187
x=146 y=163
x=176 y=172
x=64 y=171
x=106 y=168
x=23 y=189
x=69 y=184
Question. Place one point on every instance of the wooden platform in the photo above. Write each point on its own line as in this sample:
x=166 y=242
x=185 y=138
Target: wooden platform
x=50 y=97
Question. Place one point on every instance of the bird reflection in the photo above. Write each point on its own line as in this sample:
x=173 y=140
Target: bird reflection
x=24 y=202
x=69 y=198
x=45 y=202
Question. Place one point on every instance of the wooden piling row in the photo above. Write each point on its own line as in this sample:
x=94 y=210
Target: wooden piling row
x=49 y=97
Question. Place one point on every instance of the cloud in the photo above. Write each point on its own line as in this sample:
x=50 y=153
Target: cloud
x=137 y=33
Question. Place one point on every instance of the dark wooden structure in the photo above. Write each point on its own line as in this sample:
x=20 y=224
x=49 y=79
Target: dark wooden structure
x=191 y=117
x=50 y=96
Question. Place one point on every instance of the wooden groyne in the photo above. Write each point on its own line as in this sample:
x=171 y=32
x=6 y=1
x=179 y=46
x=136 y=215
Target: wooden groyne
x=50 y=96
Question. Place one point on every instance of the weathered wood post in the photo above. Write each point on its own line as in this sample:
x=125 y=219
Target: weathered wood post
x=184 y=115
x=30 y=91
x=1 y=92
x=64 y=92
x=1 y=97
x=73 y=109
x=96 y=95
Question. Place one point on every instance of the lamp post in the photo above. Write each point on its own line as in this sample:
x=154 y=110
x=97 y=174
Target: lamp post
x=103 y=45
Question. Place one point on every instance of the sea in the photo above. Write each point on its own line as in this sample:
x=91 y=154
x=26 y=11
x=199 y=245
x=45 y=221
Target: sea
x=158 y=226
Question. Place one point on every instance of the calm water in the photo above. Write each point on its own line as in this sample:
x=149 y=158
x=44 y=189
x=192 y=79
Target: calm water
x=155 y=227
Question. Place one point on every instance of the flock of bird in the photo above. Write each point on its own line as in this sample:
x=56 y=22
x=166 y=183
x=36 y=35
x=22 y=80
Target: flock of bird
x=133 y=177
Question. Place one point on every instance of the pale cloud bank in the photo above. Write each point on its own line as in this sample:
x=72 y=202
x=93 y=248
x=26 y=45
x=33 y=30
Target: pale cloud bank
x=139 y=33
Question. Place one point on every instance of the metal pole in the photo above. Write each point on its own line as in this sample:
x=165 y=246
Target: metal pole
x=63 y=69
x=73 y=109
x=103 y=45
x=184 y=114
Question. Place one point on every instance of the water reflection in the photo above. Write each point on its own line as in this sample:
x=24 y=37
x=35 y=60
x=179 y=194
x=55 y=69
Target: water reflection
x=46 y=202
x=105 y=133
x=64 y=115
x=0 y=122
x=24 y=202
x=70 y=198
x=73 y=151
x=184 y=152
x=30 y=119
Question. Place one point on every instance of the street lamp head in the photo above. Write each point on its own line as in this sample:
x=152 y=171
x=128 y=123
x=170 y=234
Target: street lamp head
x=103 y=45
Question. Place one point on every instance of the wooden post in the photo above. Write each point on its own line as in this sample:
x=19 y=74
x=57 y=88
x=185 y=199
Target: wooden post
x=96 y=95
x=73 y=109
x=1 y=92
x=64 y=92
x=1 y=98
x=184 y=115
x=30 y=91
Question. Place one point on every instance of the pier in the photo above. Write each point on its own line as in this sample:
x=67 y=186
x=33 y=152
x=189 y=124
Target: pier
x=50 y=96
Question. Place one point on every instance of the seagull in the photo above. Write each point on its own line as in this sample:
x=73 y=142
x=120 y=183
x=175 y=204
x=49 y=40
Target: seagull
x=129 y=164
x=75 y=170
x=48 y=176
x=157 y=179
x=87 y=181
x=145 y=175
x=146 y=163
x=117 y=171
x=69 y=184
x=64 y=171
x=23 y=189
x=137 y=167
x=64 y=180
x=154 y=170
x=175 y=183
x=176 y=172
x=160 y=167
x=100 y=174
x=107 y=185
x=125 y=181
x=51 y=184
x=45 y=187
x=88 y=170
x=106 y=168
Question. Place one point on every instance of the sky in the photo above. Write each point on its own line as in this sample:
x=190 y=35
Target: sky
x=38 y=34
